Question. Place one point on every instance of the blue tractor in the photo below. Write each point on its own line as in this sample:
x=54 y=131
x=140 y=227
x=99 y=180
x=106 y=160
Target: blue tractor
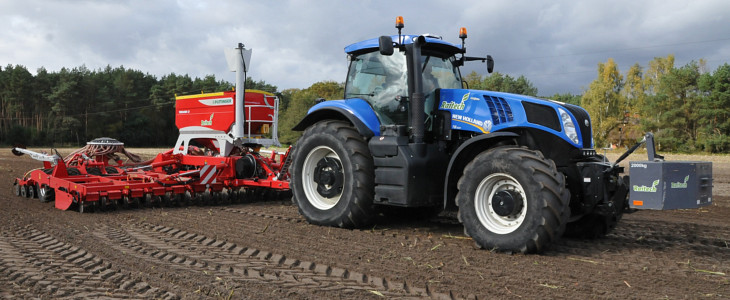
x=521 y=171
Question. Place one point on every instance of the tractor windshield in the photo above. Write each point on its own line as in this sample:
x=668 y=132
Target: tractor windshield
x=438 y=73
x=381 y=81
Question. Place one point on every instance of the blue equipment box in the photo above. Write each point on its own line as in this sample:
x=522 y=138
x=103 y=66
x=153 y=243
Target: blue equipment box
x=662 y=185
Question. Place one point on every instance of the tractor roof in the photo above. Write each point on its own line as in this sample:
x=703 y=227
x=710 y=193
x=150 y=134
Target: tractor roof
x=432 y=42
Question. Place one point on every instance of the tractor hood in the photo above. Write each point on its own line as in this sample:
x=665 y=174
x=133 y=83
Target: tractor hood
x=486 y=111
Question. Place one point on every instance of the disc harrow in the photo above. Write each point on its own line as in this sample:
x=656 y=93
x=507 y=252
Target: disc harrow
x=95 y=178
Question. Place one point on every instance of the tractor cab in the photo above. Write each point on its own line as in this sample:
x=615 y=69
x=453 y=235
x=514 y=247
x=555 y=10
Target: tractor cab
x=385 y=80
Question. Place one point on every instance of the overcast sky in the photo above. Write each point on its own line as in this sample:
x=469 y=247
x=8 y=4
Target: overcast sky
x=555 y=44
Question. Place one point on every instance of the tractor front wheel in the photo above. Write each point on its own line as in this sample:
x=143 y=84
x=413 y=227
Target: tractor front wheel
x=512 y=199
x=332 y=176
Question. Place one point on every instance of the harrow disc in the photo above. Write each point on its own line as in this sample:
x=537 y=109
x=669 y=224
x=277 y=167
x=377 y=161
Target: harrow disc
x=148 y=201
x=124 y=202
x=164 y=200
x=103 y=203
x=188 y=198
x=135 y=202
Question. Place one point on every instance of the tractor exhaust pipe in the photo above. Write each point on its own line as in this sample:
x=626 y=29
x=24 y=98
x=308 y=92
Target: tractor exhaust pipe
x=418 y=99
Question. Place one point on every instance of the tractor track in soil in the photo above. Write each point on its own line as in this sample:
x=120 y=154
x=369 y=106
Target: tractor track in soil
x=33 y=261
x=265 y=250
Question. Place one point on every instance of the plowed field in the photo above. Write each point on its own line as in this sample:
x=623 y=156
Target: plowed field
x=264 y=249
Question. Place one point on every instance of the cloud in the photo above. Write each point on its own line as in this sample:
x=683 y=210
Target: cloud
x=556 y=44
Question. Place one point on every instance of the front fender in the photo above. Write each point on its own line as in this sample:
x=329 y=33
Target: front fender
x=464 y=154
x=356 y=111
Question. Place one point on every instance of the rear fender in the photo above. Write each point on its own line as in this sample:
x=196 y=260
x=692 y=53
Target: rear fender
x=356 y=111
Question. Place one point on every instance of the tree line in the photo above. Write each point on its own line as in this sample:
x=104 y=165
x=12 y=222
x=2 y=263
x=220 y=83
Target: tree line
x=73 y=106
x=686 y=107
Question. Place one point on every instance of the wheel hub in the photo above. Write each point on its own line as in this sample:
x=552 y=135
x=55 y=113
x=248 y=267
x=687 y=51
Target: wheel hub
x=500 y=203
x=328 y=176
x=507 y=203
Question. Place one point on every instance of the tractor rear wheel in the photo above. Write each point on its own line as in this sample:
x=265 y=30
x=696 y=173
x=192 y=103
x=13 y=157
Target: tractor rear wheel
x=512 y=199
x=332 y=176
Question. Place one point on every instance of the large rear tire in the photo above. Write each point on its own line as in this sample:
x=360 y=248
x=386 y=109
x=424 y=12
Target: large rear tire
x=512 y=199
x=332 y=176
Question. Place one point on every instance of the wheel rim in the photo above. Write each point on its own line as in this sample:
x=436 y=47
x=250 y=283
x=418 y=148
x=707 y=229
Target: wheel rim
x=323 y=179
x=42 y=193
x=492 y=203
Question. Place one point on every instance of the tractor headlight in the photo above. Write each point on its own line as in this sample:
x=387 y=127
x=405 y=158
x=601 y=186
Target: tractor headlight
x=568 y=126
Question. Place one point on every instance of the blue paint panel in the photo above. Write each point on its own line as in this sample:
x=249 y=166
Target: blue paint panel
x=407 y=39
x=357 y=107
x=486 y=111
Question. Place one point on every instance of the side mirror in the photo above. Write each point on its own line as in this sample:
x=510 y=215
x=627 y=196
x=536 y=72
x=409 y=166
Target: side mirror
x=490 y=64
x=385 y=43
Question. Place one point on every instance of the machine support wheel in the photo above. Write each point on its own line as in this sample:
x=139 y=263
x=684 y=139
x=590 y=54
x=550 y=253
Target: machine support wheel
x=45 y=194
x=24 y=191
x=16 y=189
x=332 y=176
x=32 y=191
x=512 y=199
